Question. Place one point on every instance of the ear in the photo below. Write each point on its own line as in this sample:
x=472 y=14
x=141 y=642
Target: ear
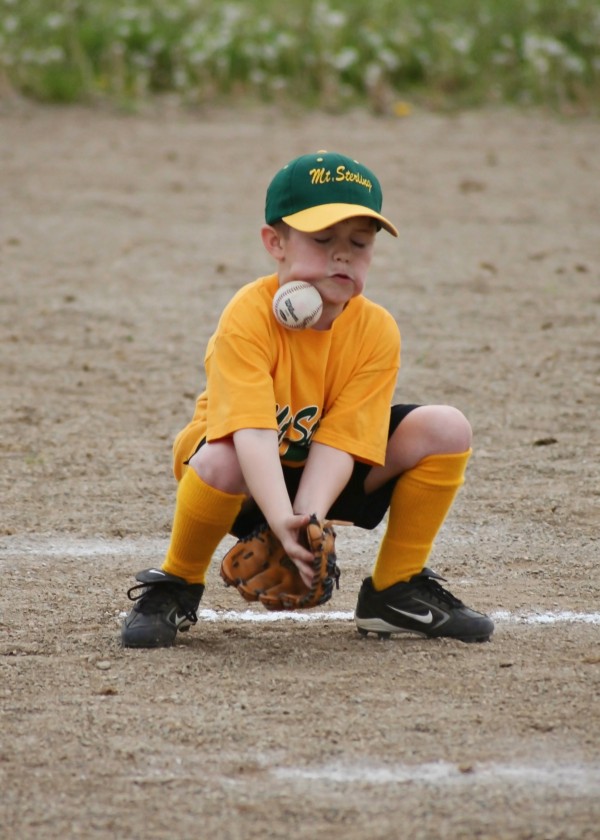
x=273 y=242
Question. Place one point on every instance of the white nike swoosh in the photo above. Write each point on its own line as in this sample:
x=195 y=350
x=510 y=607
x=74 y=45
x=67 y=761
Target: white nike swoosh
x=157 y=572
x=427 y=618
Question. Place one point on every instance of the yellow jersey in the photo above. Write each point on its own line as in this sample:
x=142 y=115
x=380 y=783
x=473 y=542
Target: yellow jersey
x=331 y=386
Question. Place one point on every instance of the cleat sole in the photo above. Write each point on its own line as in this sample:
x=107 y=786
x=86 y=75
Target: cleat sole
x=381 y=634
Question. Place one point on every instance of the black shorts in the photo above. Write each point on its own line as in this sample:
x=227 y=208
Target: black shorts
x=366 y=510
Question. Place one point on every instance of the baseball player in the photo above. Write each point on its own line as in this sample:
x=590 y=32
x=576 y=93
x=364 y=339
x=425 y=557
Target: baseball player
x=298 y=424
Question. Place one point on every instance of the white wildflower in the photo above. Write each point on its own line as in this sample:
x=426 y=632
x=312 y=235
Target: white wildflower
x=55 y=21
x=462 y=43
x=332 y=18
x=11 y=23
x=372 y=75
x=129 y=13
x=52 y=55
x=181 y=78
x=335 y=19
x=156 y=45
x=171 y=13
x=534 y=45
x=285 y=41
x=553 y=48
x=373 y=39
x=258 y=77
x=574 y=64
x=345 y=58
x=231 y=14
x=501 y=59
x=144 y=62
x=197 y=56
x=389 y=59
x=264 y=26
x=278 y=83
x=269 y=52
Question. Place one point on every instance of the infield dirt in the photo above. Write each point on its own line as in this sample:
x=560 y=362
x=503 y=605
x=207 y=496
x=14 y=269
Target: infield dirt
x=121 y=239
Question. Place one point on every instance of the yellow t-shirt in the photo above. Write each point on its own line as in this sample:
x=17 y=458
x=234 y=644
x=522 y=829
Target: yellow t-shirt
x=331 y=386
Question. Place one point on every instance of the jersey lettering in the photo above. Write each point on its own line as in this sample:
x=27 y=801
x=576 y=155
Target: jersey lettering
x=296 y=432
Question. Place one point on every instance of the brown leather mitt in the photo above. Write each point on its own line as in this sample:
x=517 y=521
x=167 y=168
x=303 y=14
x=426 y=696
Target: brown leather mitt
x=261 y=571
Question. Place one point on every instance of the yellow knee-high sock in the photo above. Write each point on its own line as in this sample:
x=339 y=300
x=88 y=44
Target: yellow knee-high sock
x=420 y=502
x=203 y=516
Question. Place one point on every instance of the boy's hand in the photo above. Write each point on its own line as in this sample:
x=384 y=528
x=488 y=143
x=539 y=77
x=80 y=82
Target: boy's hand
x=289 y=532
x=261 y=570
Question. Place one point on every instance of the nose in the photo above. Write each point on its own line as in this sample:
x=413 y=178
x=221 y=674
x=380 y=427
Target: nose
x=342 y=254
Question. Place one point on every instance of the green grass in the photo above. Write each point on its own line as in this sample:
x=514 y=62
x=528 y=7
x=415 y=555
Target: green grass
x=320 y=53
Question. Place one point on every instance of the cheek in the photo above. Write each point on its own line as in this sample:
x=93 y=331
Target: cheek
x=307 y=265
x=363 y=264
x=312 y=259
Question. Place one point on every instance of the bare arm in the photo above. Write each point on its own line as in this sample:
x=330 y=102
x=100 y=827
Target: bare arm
x=325 y=475
x=257 y=451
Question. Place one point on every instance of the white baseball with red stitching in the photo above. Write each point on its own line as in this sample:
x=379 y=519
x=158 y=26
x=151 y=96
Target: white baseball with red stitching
x=297 y=305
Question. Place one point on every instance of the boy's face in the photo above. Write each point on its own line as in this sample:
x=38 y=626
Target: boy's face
x=334 y=260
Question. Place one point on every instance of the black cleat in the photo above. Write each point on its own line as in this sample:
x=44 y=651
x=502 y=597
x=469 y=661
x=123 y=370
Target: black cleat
x=419 y=606
x=165 y=605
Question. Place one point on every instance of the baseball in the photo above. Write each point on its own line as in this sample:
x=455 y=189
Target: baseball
x=297 y=305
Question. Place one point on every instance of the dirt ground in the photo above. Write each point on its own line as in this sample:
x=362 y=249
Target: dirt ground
x=121 y=238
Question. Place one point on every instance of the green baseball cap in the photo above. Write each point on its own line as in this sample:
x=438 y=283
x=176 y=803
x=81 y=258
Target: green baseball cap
x=315 y=191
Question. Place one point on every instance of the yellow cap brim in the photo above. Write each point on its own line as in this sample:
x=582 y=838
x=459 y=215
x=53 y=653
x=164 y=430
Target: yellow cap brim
x=325 y=215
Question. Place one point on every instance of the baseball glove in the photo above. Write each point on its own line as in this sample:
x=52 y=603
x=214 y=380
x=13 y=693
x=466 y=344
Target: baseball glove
x=261 y=570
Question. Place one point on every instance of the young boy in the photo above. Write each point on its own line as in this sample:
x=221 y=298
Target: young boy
x=298 y=422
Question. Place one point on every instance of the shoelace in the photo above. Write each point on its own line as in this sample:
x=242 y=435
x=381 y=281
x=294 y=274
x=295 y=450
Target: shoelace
x=440 y=593
x=154 y=594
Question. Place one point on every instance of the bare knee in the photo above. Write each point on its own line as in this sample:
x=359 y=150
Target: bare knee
x=429 y=430
x=444 y=429
x=218 y=466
